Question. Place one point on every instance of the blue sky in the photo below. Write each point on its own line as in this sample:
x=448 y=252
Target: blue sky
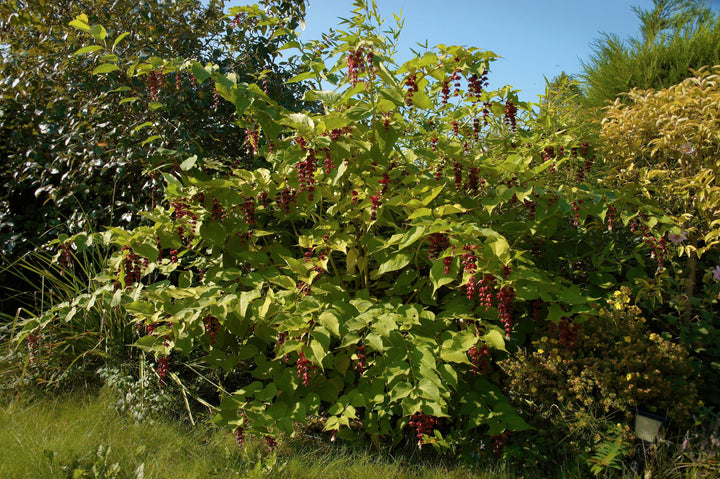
x=535 y=38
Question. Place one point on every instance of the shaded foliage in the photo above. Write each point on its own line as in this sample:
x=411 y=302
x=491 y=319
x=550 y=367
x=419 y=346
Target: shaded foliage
x=77 y=157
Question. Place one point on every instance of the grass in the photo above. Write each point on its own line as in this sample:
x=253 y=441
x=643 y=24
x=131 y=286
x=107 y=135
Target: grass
x=81 y=435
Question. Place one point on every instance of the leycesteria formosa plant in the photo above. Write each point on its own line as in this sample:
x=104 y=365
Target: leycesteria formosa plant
x=375 y=273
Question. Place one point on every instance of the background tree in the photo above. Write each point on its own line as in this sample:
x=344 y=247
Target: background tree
x=76 y=157
x=675 y=36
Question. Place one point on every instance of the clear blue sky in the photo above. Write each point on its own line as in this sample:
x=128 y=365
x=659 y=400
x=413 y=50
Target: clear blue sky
x=533 y=37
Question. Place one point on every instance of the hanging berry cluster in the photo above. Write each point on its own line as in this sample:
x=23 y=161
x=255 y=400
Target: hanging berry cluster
x=358 y=62
x=505 y=297
x=285 y=197
x=162 y=368
x=155 y=81
x=476 y=85
x=411 y=83
x=304 y=367
x=611 y=217
x=510 y=117
x=249 y=208
x=469 y=266
x=438 y=243
x=361 y=364
x=306 y=170
x=576 y=212
x=548 y=154
x=375 y=203
x=480 y=359
x=65 y=258
x=271 y=443
x=567 y=333
x=486 y=291
x=131 y=267
x=458 y=170
x=182 y=210
x=328 y=163
x=239 y=436
x=474 y=182
x=211 y=327
x=498 y=443
x=423 y=424
x=252 y=139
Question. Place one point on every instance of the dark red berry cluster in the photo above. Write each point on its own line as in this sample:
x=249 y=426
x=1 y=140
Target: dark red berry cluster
x=65 y=258
x=486 y=291
x=375 y=204
x=537 y=308
x=218 y=212
x=510 y=117
x=476 y=85
x=182 y=210
x=329 y=165
x=249 y=207
x=480 y=359
x=438 y=243
x=304 y=367
x=531 y=207
x=361 y=364
x=548 y=154
x=132 y=265
x=240 y=436
x=611 y=217
x=357 y=62
x=498 y=443
x=237 y=19
x=445 y=93
x=155 y=81
x=306 y=174
x=576 y=212
x=458 y=170
x=211 y=327
x=505 y=297
x=455 y=78
x=271 y=443
x=285 y=197
x=423 y=424
x=568 y=333
x=252 y=139
x=469 y=266
x=474 y=182
x=411 y=83
x=162 y=368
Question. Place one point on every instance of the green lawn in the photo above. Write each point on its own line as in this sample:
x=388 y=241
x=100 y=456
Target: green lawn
x=81 y=435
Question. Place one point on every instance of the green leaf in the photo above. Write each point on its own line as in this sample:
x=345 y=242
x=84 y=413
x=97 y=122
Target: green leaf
x=81 y=23
x=98 y=32
x=494 y=339
x=105 y=68
x=438 y=276
x=188 y=163
x=415 y=233
x=396 y=262
x=421 y=100
x=119 y=39
x=200 y=73
x=214 y=232
x=88 y=49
